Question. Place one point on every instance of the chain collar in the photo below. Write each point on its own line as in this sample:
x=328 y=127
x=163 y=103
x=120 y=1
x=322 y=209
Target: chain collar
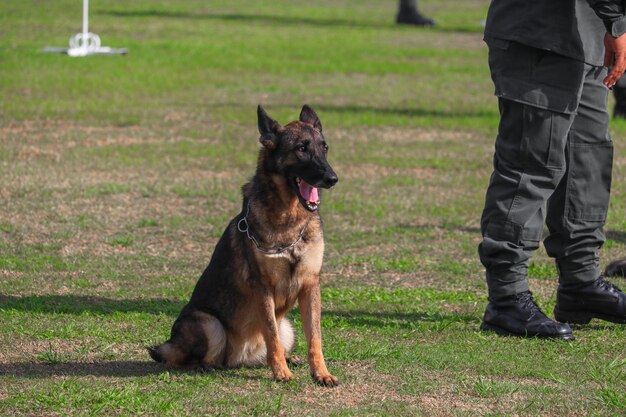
x=243 y=227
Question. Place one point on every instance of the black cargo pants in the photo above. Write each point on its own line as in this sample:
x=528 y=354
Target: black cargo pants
x=552 y=164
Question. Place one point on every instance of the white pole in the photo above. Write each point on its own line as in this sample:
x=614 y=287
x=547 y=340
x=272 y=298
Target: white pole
x=85 y=25
x=85 y=18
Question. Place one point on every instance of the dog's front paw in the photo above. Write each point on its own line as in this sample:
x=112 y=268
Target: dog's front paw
x=326 y=379
x=283 y=375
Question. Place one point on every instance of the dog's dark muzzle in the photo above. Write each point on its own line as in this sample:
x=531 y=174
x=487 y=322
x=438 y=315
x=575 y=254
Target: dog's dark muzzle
x=330 y=179
x=320 y=175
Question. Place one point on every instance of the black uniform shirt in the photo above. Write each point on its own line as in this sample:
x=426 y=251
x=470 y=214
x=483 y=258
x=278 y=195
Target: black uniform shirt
x=573 y=28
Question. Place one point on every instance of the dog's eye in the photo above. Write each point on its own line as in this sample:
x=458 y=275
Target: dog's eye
x=325 y=147
x=301 y=148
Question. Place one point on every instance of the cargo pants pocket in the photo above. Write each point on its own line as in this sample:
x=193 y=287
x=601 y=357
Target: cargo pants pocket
x=544 y=138
x=589 y=183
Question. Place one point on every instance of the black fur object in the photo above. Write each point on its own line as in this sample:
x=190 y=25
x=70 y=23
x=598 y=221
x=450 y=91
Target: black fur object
x=616 y=269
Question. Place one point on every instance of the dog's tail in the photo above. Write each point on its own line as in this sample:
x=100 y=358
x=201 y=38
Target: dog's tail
x=155 y=353
x=170 y=355
x=197 y=339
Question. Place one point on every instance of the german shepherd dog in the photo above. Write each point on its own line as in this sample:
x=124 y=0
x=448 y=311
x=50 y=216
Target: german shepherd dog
x=269 y=257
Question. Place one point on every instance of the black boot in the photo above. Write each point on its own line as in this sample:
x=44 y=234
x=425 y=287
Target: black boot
x=519 y=315
x=409 y=15
x=599 y=299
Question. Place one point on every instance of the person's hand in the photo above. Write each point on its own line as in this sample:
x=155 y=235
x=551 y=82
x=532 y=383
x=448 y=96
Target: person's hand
x=615 y=57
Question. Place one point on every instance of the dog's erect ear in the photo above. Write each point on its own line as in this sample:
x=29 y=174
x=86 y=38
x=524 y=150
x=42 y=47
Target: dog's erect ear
x=308 y=115
x=268 y=128
x=267 y=125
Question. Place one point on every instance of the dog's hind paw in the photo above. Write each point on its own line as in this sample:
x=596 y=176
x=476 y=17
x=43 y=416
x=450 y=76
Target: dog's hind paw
x=294 y=361
x=210 y=367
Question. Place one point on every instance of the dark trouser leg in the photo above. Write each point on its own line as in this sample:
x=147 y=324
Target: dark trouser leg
x=407 y=6
x=577 y=210
x=529 y=163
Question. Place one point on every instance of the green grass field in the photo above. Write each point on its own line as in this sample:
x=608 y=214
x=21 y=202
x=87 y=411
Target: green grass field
x=118 y=175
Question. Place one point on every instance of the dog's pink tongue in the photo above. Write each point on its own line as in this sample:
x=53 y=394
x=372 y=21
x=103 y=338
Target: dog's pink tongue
x=308 y=192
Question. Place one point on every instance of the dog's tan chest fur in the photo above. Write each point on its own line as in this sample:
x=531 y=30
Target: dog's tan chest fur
x=286 y=273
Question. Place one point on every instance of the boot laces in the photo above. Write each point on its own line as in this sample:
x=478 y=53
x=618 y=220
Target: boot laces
x=527 y=301
x=606 y=285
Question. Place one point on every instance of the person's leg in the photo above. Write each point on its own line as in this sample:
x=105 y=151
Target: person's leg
x=538 y=96
x=529 y=163
x=408 y=14
x=577 y=213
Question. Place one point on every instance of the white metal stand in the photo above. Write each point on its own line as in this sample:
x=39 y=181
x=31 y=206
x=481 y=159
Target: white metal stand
x=86 y=43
